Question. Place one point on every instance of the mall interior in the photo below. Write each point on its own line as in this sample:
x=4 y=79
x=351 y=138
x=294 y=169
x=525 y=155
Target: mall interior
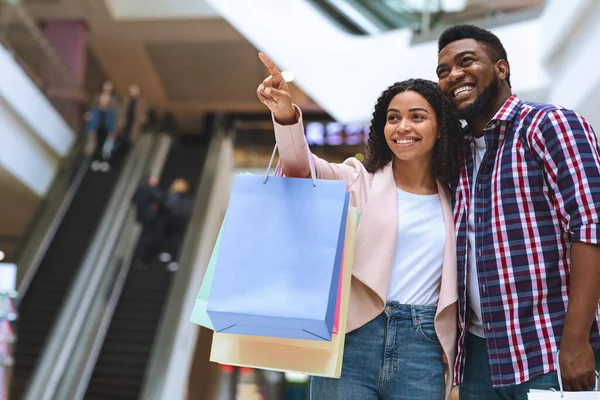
x=89 y=309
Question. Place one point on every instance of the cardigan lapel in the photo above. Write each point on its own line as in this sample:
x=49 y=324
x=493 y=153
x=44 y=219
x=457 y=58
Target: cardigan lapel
x=376 y=234
x=448 y=291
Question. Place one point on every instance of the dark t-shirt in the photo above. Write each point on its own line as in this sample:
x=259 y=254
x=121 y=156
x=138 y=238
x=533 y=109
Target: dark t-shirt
x=149 y=203
x=130 y=116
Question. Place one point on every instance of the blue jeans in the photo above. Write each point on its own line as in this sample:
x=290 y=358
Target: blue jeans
x=395 y=356
x=477 y=380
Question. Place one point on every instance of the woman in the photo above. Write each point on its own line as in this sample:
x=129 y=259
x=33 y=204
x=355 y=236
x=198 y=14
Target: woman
x=101 y=125
x=108 y=88
x=402 y=314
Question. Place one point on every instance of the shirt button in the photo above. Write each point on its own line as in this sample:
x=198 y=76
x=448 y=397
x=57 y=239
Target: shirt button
x=479 y=253
x=483 y=288
x=479 y=220
x=487 y=326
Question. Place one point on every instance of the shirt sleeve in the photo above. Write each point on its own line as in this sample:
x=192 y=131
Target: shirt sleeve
x=571 y=161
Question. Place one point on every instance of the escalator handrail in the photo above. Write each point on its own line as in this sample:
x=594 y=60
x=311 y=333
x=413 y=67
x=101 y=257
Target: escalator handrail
x=78 y=373
x=41 y=249
x=30 y=260
x=63 y=336
x=166 y=337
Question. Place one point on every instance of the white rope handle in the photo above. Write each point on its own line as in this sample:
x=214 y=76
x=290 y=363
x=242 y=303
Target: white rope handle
x=313 y=174
x=560 y=384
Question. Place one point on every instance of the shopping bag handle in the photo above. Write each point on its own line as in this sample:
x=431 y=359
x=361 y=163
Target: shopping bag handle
x=310 y=164
x=560 y=384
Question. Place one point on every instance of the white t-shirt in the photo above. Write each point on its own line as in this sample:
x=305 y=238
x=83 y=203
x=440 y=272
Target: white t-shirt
x=417 y=267
x=476 y=322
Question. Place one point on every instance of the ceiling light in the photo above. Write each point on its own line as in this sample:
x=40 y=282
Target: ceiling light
x=288 y=76
x=2 y=255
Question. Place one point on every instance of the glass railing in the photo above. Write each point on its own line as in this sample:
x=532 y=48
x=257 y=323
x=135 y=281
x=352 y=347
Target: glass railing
x=371 y=17
x=20 y=34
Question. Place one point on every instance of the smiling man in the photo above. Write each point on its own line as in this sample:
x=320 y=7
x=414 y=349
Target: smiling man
x=527 y=207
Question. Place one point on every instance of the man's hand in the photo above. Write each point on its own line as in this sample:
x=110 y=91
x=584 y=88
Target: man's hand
x=577 y=365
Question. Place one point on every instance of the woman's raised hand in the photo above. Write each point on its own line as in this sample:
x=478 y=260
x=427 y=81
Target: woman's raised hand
x=274 y=93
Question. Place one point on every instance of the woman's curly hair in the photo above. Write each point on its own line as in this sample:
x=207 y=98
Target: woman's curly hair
x=445 y=161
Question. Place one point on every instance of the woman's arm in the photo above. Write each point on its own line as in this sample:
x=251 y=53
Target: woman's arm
x=294 y=155
x=289 y=132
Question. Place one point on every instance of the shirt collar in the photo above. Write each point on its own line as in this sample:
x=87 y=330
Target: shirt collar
x=509 y=109
x=506 y=113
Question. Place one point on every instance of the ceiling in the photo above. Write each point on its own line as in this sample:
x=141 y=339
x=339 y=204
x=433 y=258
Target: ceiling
x=186 y=58
x=183 y=65
x=188 y=66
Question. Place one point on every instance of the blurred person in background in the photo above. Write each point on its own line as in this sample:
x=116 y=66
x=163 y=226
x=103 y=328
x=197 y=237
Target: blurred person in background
x=133 y=114
x=132 y=117
x=402 y=317
x=102 y=124
x=107 y=88
x=149 y=207
x=178 y=204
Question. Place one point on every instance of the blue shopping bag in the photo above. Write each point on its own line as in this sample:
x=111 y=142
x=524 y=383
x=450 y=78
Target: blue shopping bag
x=279 y=262
x=199 y=315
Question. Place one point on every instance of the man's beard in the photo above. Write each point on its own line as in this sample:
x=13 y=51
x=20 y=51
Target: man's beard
x=482 y=103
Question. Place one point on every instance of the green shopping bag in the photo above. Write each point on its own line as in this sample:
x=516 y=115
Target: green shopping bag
x=199 y=315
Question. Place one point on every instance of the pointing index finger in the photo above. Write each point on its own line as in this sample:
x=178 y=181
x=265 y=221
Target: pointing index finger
x=273 y=70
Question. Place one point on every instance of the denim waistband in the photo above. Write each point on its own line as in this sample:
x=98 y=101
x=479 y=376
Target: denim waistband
x=407 y=311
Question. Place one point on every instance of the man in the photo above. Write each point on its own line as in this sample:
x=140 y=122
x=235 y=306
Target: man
x=100 y=126
x=132 y=117
x=149 y=202
x=133 y=114
x=527 y=208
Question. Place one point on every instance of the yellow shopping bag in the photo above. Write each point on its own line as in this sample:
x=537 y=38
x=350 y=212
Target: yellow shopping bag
x=312 y=357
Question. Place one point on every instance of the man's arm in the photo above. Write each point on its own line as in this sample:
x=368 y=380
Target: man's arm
x=571 y=159
x=576 y=355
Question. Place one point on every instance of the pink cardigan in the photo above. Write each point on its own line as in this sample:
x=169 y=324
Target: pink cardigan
x=375 y=196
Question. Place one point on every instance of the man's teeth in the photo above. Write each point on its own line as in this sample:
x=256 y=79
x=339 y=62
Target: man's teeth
x=405 y=141
x=462 y=89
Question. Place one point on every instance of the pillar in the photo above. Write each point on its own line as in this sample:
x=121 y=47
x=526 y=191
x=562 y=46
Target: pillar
x=69 y=40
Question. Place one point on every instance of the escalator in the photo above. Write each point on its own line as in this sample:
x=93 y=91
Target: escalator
x=39 y=307
x=121 y=365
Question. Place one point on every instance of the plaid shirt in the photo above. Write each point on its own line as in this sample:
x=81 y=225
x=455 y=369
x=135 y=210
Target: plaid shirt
x=537 y=190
